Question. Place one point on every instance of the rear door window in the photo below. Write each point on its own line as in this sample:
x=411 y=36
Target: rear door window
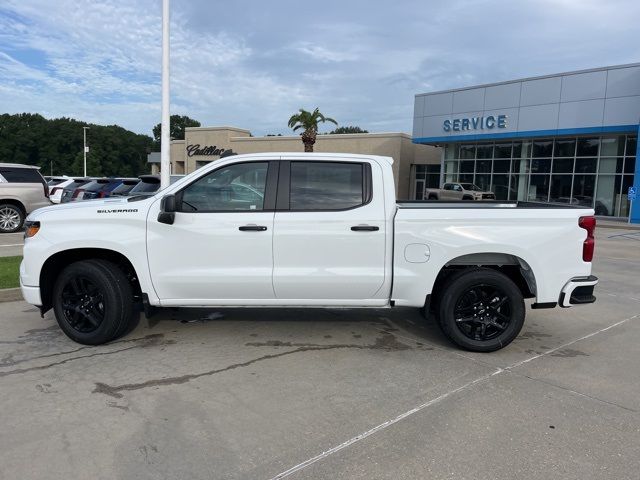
x=21 y=175
x=326 y=186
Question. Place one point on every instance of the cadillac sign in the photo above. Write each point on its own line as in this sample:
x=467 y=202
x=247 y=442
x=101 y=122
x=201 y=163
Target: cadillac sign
x=475 y=123
x=205 y=150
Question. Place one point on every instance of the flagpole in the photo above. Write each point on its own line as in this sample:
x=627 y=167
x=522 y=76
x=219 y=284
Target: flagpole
x=165 y=165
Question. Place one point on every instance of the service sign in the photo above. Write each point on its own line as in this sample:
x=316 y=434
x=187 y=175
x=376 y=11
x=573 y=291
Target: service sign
x=488 y=122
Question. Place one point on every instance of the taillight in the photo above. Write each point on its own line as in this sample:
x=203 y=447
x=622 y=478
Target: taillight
x=589 y=224
x=77 y=192
x=54 y=190
x=102 y=194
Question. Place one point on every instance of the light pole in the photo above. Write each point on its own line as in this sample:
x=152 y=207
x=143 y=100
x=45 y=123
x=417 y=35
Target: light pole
x=165 y=169
x=86 y=149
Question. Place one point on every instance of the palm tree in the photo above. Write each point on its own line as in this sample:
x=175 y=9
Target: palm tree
x=309 y=122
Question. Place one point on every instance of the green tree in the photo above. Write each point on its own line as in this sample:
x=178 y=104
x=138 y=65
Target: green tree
x=177 y=126
x=308 y=122
x=349 y=129
x=57 y=143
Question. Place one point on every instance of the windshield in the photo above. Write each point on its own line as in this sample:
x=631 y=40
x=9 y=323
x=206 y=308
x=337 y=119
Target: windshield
x=124 y=188
x=471 y=186
x=146 y=187
x=75 y=184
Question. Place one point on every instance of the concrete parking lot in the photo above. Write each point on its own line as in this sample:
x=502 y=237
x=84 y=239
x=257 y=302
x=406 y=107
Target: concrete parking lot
x=11 y=244
x=335 y=394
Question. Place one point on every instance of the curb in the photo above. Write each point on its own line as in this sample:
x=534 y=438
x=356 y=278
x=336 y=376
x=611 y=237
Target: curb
x=623 y=226
x=10 y=295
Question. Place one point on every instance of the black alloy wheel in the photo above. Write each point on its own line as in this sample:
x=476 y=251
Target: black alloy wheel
x=482 y=312
x=93 y=301
x=82 y=304
x=480 y=309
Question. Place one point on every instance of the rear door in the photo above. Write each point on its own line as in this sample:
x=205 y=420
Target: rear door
x=329 y=231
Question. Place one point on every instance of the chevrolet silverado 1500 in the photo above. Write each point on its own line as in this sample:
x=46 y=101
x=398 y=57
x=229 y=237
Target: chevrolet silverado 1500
x=305 y=230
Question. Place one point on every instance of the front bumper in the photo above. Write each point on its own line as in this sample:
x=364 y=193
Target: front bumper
x=578 y=291
x=31 y=294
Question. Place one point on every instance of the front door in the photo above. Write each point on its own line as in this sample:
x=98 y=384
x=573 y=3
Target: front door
x=219 y=248
x=329 y=236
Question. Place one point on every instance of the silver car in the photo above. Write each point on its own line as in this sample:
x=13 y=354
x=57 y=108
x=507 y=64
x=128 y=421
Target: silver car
x=22 y=190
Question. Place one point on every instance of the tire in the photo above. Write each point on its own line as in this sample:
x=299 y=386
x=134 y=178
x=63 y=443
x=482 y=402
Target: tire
x=433 y=197
x=93 y=302
x=467 y=197
x=476 y=297
x=11 y=218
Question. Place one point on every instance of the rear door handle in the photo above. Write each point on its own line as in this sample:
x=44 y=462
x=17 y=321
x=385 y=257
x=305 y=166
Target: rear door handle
x=365 y=228
x=252 y=228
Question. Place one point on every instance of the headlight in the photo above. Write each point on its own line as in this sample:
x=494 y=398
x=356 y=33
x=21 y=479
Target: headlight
x=31 y=228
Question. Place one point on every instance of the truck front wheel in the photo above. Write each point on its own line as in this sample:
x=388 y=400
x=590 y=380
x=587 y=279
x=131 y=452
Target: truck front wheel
x=92 y=301
x=481 y=310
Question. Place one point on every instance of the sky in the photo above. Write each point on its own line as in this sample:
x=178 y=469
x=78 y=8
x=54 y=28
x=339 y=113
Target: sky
x=252 y=64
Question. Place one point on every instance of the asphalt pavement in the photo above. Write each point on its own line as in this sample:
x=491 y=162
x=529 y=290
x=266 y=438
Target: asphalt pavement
x=330 y=394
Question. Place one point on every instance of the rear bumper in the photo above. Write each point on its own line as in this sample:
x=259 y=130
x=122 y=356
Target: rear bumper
x=578 y=291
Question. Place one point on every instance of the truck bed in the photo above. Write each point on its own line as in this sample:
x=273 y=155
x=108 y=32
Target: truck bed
x=482 y=204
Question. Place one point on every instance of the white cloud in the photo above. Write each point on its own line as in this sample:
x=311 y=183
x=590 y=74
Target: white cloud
x=252 y=66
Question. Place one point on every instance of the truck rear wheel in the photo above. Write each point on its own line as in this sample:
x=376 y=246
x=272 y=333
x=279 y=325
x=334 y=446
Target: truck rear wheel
x=481 y=310
x=92 y=301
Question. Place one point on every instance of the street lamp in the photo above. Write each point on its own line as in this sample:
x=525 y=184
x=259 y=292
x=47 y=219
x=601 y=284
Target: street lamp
x=86 y=149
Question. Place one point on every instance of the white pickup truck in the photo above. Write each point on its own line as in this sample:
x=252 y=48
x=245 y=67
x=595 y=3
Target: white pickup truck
x=305 y=230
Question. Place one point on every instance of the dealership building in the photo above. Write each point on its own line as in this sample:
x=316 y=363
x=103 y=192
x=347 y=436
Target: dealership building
x=203 y=145
x=565 y=138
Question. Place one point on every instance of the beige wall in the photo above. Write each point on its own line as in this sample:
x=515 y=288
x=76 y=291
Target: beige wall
x=395 y=145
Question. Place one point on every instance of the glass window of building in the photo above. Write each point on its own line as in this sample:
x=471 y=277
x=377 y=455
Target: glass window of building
x=612 y=146
x=587 y=147
x=560 y=189
x=484 y=150
x=542 y=148
x=630 y=165
x=502 y=150
x=586 y=165
x=467 y=151
x=632 y=145
x=583 y=189
x=588 y=171
x=540 y=165
x=563 y=165
x=565 y=147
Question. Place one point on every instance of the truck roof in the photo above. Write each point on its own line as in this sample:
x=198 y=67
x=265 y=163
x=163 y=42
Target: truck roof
x=315 y=156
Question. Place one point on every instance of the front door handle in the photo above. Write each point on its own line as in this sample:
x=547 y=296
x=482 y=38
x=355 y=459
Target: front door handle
x=252 y=228
x=365 y=228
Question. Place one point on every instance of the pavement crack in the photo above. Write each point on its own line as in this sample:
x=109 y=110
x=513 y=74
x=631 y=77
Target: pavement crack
x=148 y=341
x=387 y=342
x=575 y=392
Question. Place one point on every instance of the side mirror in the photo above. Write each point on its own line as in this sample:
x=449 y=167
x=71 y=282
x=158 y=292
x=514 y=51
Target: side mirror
x=167 y=210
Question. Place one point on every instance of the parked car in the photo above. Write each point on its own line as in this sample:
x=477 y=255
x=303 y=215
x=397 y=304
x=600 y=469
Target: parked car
x=69 y=191
x=125 y=187
x=57 y=186
x=22 y=190
x=326 y=230
x=459 y=191
x=148 y=185
x=98 y=188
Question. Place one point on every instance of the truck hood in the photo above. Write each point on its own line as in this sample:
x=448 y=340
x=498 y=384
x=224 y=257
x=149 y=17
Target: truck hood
x=106 y=205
